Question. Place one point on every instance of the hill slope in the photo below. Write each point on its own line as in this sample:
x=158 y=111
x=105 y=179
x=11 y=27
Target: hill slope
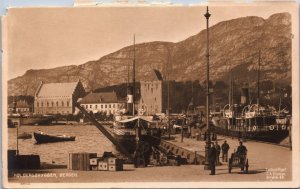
x=234 y=45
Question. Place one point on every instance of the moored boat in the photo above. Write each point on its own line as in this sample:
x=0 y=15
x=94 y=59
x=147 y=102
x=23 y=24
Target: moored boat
x=252 y=124
x=24 y=135
x=42 y=137
x=31 y=119
x=125 y=129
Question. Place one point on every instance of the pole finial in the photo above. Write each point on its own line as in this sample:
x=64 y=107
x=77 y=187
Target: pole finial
x=207 y=15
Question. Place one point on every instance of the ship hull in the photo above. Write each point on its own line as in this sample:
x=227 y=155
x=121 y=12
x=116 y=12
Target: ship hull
x=274 y=136
x=128 y=141
x=267 y=131
x=30 y=120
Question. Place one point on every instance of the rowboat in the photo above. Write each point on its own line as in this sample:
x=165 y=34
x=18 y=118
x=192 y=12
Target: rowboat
x=42 y=137
x=24 y=135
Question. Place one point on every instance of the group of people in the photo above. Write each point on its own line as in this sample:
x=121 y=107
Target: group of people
x=215 y=151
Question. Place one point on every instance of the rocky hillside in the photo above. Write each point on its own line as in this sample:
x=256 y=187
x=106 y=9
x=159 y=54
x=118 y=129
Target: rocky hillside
x=234 y=45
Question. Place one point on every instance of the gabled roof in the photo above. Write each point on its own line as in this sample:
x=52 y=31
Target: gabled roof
x=56 y=89
x=103 y=97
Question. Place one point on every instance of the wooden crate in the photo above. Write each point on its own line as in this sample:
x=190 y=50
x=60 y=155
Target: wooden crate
x=94 y=167
x=115 y=167
x=111 y=160
x=94 y=161
x=115 y=164
x=102 y=166
x=80 y=161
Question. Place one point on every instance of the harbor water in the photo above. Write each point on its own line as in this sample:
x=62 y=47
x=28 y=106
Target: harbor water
x=88 y=139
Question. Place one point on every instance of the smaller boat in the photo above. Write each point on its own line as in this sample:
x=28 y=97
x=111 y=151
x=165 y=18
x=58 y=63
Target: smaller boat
x=24 y=135
x=42 y=137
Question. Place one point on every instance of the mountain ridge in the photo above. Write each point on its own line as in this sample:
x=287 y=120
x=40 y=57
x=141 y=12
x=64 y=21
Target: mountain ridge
x=234 y=45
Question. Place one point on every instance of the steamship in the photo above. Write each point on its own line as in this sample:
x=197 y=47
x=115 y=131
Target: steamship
x=252 y=121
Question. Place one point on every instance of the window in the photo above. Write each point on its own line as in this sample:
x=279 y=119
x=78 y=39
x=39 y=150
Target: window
x=109 y=106
x=42 y=104
x=101 y=106
x=105 y=106
x=90 y=106
x=151 y=90
x=96 y=106
x=86 y=106
x=113 y=105
x=155 y=99
x=68 y=104
x=56 y=103
x=47 y=105
x=37 y=104
x=52 y=104
x=62 y=103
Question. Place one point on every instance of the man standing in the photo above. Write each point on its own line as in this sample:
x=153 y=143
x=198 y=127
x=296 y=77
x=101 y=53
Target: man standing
x=225 y=148
x=242 y=151
x=218 y=148
x=212 y=159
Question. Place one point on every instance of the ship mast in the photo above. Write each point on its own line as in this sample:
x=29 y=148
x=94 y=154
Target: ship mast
x=258 y=79
x=168 y=85
x=133 y=79
x=231 y=90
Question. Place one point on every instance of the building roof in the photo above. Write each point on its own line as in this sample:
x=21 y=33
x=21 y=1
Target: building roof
x=56 y=89
x=20 y=104
x=103 y=97
x=154 y=75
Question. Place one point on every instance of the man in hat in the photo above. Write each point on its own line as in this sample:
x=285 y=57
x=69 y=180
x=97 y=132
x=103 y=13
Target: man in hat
x=218 y=148
x=242 y=151
x=212 y=159
x=225 y=148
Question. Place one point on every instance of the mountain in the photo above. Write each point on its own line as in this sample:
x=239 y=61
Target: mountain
x=234 y=49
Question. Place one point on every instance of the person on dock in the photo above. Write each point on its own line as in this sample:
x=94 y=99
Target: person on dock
x=218 y=148
x=242 y=151
x=225 y=148
x=212 y=159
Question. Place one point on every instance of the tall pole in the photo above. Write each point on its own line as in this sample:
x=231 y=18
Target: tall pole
x=168 y=77
x=133 y=79
x=208 y=141
x=128 y=86
x=258 y=79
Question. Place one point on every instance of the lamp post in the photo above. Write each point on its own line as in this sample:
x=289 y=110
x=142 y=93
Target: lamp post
x=208 y=141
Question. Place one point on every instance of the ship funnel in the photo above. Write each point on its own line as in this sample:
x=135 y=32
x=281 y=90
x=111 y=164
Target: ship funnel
x=245 y=95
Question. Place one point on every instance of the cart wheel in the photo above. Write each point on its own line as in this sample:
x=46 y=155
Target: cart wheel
x=247 y=166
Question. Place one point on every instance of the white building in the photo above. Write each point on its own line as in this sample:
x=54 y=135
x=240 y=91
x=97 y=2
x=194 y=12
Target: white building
x=105 y=102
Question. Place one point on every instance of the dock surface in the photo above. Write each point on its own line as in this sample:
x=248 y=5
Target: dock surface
x=268 y=162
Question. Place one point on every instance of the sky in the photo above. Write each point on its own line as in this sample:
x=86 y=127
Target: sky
x=41 y=38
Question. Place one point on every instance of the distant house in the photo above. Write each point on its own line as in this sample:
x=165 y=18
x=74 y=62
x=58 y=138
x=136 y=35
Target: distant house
x=104 y=102
x=154 y=94
x=57 y=98
x=22 y=106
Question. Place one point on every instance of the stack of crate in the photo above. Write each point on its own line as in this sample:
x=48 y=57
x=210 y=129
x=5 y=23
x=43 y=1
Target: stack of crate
x=115 y=164
x=90 y=161
x=94 y=163
x=80 y=161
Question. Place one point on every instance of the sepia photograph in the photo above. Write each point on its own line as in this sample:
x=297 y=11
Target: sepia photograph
x=151 y=96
